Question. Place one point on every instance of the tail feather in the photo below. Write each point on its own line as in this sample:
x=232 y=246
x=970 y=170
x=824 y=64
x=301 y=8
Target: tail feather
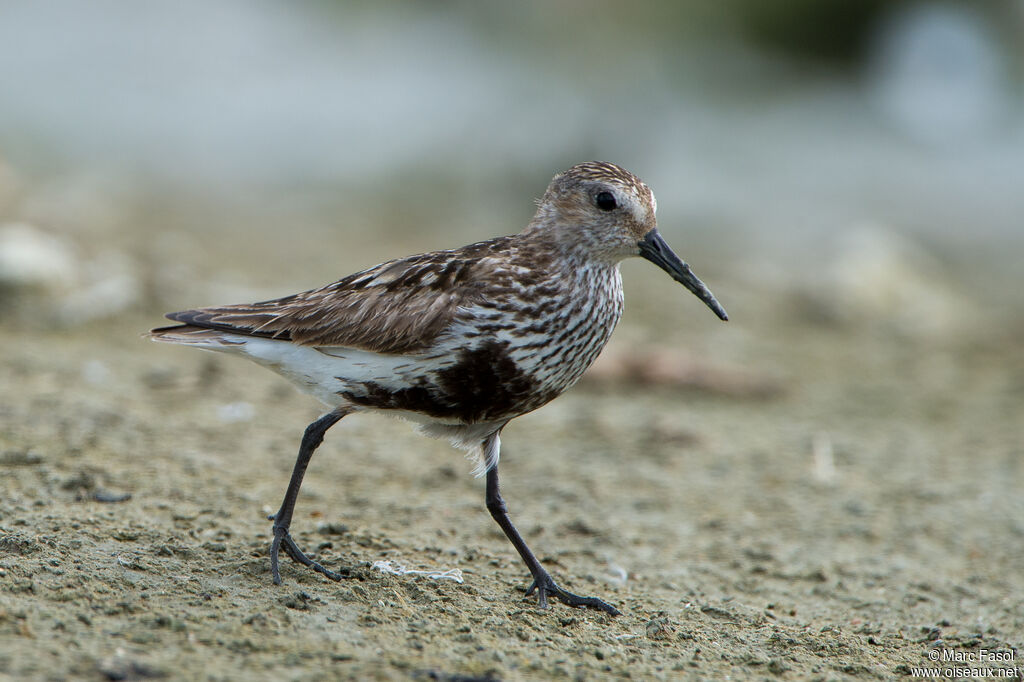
x=191 y=335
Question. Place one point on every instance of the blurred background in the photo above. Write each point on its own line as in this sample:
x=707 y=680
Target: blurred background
x=829 y=483
x=864 y=159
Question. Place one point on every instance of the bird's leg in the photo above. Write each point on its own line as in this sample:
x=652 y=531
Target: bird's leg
x=311 y=440
x=542 y=581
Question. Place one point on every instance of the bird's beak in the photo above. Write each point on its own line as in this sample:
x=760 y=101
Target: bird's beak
x=654 y=249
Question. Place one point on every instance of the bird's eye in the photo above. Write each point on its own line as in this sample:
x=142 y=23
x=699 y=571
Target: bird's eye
x=606 y=201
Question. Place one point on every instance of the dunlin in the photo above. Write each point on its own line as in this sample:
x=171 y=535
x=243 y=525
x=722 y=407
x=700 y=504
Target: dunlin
x=462 y=341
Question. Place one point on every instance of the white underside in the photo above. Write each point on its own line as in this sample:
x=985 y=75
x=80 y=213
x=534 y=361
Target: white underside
x=329 y=371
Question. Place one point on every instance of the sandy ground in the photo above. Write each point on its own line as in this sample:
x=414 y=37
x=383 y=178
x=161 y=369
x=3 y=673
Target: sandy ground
x=827 y=501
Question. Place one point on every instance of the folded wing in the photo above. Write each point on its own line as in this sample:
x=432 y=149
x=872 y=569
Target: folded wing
x=397 y=307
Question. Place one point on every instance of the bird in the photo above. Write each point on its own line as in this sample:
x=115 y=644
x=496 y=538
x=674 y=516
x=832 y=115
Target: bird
x=459 y=342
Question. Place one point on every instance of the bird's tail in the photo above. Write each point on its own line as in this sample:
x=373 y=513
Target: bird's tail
x=190 y=335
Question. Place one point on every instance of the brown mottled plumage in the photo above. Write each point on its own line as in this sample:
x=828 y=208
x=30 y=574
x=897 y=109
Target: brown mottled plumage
x=460 y=341
x=395 y=307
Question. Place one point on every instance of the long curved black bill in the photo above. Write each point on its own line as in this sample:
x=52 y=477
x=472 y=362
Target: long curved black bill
x=654 y=249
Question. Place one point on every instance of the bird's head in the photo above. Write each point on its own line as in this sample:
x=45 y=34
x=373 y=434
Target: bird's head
x=607 y=213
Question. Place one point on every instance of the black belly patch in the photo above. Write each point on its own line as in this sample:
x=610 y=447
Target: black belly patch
x=483 y=385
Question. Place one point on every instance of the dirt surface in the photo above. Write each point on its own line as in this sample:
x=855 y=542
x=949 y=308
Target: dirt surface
x=818 y=500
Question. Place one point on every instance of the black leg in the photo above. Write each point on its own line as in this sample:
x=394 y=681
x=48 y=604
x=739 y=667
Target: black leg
x=542 y=581
x=311 y=440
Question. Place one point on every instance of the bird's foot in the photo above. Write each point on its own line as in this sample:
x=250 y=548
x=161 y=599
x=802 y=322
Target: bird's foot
x=283 y=539
x=545 y=587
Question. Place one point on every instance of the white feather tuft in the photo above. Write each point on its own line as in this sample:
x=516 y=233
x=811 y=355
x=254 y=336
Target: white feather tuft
x=471 y=438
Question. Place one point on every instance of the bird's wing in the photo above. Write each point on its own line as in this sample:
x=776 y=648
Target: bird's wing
x=397 y=307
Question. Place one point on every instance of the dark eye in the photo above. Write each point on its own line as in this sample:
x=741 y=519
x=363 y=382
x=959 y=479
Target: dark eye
x=606 y=201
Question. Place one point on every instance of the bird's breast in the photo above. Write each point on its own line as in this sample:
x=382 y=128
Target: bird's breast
x=509 y=354
x=558 y=347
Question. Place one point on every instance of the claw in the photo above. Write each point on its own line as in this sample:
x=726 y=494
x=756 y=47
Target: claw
x=283 y=538
x=566 y=597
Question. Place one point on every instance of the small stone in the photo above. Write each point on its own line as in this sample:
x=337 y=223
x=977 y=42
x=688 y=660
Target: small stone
x=660 y=628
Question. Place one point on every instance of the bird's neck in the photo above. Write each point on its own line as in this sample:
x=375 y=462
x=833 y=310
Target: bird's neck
x=570 y=245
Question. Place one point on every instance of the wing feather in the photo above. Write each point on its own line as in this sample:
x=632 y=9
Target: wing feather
x=400 y=306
